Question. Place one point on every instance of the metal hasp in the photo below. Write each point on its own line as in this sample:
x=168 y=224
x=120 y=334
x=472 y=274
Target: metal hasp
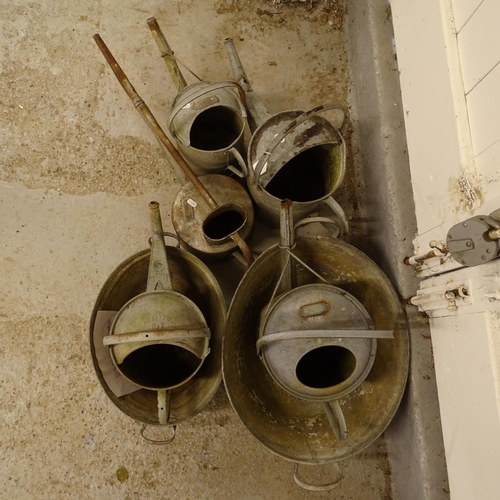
x=476 y=240
x=292 y=155
x=208 y=120
x=155 y=127
x=171 y=315
x=316 y=371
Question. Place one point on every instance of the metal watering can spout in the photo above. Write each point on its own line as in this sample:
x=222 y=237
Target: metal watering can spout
x=258 y=112
x=167 y=54
x=159 y=272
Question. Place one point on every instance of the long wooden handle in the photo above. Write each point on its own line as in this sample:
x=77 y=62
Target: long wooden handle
x=155 y=127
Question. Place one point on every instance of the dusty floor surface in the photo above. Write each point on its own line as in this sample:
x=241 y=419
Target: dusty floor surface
x=77 y=168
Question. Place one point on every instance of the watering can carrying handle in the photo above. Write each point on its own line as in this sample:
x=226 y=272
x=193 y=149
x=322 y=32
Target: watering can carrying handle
x=169 y=235
x=283 y=133
x=243 y=172
x=338 y=221
x=164 y=403
x=318 y=487
x=156 y=442
x=216 y=86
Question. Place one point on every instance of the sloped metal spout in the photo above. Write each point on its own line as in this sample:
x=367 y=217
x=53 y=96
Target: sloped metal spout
x=167 y=54
x=159 y=272
x=258 y=112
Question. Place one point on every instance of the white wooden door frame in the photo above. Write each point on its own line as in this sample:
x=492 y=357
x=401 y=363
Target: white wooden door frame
x=447 y=190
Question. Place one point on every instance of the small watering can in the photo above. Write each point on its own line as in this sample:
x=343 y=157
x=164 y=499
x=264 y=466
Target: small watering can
x=316 y=350
x=207 y=120
x=171 y=317
x=206 y=232
x=292 y=155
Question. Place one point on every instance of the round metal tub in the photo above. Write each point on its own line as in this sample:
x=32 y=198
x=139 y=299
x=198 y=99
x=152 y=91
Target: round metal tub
x=293 y=428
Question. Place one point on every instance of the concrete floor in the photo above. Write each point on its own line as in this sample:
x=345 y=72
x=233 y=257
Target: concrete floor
x=77 y=169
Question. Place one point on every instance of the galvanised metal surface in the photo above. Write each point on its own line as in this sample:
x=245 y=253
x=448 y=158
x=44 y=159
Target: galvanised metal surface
x=192 y=279
x=208 y=120
x=292 y=155
x=319 y=322
x=61 y=441
x=155 y=127
x=159 y=339
x=293 y=428
x=206 y=232
x=306 y=166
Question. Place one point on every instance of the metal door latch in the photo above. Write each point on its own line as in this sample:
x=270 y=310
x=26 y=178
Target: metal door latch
x=476 y=240
x=447 y=297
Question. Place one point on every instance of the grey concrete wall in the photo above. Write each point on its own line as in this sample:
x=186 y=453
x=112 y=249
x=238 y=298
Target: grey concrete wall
x=387 y=226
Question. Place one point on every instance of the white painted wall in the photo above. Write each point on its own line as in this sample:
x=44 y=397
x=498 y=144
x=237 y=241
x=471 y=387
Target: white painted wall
x=436 y=119
x=449 y=60
x=466 y=350
x=479 y=49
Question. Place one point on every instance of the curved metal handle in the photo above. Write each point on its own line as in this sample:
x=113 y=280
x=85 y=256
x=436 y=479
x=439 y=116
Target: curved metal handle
x=338 y=221
x=339 y=214
x=215 y=86
x=241 y=162
x=280 y=136
x=330 y=224
x=156 y=335
x=154 y=441
x=170 y=235
x=336 y=419
x=347 y=333
x=346 y=119
x=318 y=487
x=164 y=401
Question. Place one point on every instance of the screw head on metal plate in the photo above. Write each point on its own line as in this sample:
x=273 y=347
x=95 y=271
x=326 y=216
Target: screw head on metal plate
x=469 y=244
